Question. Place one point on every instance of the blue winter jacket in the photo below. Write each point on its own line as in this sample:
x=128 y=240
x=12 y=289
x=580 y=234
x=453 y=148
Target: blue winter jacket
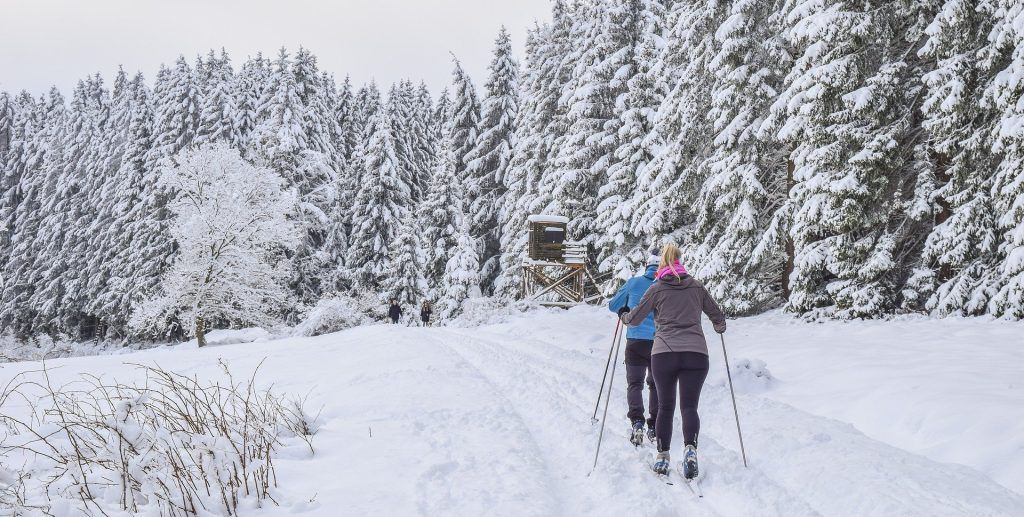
x=629 y=296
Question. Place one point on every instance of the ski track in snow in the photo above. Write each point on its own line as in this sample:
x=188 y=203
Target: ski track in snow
x=495 y=420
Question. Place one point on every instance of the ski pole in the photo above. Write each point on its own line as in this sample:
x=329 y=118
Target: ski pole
x=615 y=336
x=604 y=418
x=735 y=412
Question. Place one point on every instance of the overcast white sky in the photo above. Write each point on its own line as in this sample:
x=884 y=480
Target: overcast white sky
x=57 y=42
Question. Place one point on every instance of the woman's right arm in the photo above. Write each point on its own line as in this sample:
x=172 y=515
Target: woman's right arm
x=713 y=311
x=636 y=315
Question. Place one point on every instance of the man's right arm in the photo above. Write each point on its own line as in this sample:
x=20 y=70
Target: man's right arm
x=621 y=298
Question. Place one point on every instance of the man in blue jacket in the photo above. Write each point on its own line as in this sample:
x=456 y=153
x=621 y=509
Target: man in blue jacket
x=639 y=340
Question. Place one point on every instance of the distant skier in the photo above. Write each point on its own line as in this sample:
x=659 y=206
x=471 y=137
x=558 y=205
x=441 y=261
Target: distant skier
x=639 y=341
x=680 y=353
x=394 y=311
x=425 y=312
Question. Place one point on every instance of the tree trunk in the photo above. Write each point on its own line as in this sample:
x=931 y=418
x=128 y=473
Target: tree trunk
x=787 y=272
x=201 y=331
x=945 y=208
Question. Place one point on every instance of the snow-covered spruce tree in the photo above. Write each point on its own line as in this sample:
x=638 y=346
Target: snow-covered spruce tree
x=400 y=106
x=367 y=103
x=487 y=161
x=380 y=207
x=328 y=101
x=6 y=125
x=344 y=117
x=638 y=29
x=329 y=256
x=219 y=113
x=423 y=139
x=666 y=186
x=232 y=227
x=339 y=227
x=539 y=122
x=517 y=180
x=1005 y=93
x=283 y=142
x=90 y=272
x=136 y=219
x=61 y=291
x=249 y=87
x=363 y=107
x=438 y=216
x=411 y=118
x=463 y=119
x=346 y=184
x=102 y=192
x=850 y=99
x=315 y=181
x=405 y=281
x=37 y=128
x=315 y=94
x=6 y=130
x=461 y=279
x=583 y=149
x=954 y=190
x=176 y=104
x=21 y=115
x=280 y=138
x=439 y=126
x=741 y=230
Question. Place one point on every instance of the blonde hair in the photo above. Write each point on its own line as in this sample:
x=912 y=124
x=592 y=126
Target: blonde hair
x=670 y=254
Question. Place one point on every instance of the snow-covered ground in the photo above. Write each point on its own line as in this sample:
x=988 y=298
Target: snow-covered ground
x=914 y=417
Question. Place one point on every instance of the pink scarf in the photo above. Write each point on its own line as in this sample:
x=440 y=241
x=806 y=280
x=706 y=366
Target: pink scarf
x=676 y=269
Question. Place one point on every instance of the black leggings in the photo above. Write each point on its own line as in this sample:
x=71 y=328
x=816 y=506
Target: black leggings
x=688 y=369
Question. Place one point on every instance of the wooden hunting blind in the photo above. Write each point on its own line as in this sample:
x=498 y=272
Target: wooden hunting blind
x=555 y=269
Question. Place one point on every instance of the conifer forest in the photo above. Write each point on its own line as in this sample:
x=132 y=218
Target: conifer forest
x=836 y=159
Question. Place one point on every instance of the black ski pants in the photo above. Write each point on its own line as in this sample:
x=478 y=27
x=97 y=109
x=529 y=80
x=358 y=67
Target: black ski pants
x=687 y=370
x=638 y=367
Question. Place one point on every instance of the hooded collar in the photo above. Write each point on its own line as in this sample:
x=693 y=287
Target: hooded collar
x=651 y=271
x=684 y=281
x=674 y=269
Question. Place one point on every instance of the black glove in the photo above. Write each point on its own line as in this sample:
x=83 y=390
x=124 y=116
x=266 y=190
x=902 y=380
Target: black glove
x=623 y=310
x=720 y=328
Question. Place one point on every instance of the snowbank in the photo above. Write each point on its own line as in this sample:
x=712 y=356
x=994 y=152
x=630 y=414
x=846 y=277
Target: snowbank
x=232 y=337
x=949 y=388
x=840 y=418
x=331 y=315
x=488 y=311
x=44 y=347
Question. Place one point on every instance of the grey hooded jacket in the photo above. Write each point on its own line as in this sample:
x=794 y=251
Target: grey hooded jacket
x=677 y=303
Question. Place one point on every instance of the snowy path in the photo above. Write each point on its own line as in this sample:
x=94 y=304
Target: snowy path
x=496 y=420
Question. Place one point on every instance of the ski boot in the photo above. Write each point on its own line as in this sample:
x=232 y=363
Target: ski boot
x=650 y=434
x=690 y=462
x=637 y=436
x=662 y=464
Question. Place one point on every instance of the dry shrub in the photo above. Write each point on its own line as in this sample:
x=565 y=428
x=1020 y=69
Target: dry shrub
x=170 y=445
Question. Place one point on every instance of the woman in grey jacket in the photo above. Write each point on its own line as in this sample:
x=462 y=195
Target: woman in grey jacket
x=680 y=353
